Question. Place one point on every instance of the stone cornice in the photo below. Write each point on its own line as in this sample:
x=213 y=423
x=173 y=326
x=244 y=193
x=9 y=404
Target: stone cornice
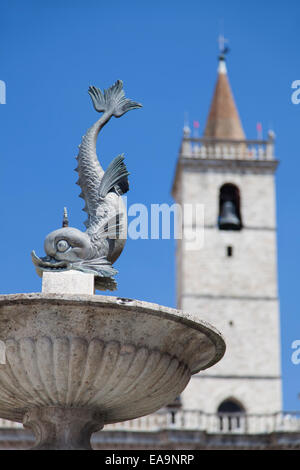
x=224 y=165
x=229 y=164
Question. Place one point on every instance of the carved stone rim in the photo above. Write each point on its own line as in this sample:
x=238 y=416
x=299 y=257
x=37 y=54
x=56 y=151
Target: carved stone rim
x=125 y=304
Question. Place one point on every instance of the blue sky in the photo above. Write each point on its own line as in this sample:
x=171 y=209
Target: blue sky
x=165 y=52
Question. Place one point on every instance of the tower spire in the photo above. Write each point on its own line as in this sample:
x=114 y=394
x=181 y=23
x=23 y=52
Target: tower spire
x=223 y=120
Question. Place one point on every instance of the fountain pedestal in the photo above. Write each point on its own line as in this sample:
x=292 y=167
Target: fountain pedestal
x=68 y=282
x=63 y=428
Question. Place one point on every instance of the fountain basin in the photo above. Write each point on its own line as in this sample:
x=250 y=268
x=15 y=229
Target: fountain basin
x=114 y=359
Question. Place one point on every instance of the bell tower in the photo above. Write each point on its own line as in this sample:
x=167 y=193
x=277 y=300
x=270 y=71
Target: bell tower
x=232 y=280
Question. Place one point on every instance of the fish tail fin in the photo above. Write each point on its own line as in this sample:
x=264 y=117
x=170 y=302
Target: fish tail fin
x=112 y=100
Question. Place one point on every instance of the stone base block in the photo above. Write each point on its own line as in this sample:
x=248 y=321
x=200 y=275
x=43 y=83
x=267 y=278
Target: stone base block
x=68 y=282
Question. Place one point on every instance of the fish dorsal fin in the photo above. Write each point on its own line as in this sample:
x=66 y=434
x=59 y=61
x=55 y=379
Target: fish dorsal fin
x=116 y=174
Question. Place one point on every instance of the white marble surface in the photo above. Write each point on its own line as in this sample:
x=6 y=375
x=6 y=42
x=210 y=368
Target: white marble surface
x=68 y=282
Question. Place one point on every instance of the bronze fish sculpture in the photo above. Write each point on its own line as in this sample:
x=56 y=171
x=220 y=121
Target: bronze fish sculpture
x=95 y=250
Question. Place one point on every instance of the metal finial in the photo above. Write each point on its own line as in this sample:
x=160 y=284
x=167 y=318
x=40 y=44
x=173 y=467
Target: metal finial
x=65 y=219
x=222 y=47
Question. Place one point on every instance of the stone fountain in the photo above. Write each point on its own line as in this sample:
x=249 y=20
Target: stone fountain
x=75 y=361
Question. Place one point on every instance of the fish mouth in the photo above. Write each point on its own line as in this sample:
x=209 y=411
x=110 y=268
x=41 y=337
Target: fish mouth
x=47 y=263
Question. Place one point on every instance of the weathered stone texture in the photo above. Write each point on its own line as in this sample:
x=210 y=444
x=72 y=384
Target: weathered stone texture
x=237 y=294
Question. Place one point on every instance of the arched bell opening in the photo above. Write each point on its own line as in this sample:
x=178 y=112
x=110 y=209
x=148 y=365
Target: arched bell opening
x=231 y=415
x=229 y=208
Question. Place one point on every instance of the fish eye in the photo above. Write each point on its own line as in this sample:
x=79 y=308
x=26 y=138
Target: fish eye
x=62 y=245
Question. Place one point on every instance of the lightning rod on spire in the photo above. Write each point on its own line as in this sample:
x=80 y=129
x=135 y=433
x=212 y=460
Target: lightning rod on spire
x=222 y=46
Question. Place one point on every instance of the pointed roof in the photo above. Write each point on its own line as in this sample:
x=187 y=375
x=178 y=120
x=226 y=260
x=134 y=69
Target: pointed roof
x=223 y=120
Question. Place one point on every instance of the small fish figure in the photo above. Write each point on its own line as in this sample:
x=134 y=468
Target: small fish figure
x=95 y=250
